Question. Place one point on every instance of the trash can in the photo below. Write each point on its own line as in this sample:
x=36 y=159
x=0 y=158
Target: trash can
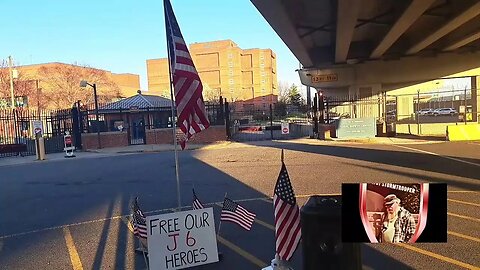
x=391 y=130
x=321 y=219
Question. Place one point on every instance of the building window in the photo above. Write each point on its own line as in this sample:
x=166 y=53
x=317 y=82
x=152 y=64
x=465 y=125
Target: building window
x=263 y=73
x=264 y=105
x=263 y=90
x=261 y=56
x=230 y=56
x=230 y=64
x=232 y=90
x=230 y=81
x=263 y=81
x=230 y=72
x=262 y=64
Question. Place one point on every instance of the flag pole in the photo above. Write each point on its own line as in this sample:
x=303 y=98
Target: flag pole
x=220 y=223
x=282 y=156
x=172 y=97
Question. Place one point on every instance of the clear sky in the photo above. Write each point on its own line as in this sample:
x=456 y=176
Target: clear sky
x=120 y=35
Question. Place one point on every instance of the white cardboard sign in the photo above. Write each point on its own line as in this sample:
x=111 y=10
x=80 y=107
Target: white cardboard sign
x=285 y=128
x=182 y=239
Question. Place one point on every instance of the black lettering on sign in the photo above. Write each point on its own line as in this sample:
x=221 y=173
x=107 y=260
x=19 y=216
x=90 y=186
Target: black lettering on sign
x=196 y=221
x=202 y=252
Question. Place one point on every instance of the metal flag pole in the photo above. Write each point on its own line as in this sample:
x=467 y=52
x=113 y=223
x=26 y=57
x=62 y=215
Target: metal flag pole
x=220 y=223
x=172 y=97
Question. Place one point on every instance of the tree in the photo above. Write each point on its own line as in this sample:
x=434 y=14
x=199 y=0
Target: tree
x=23 y=85
x=61 y=85
x=283 y=91
x=294 y=96
x=210 y=94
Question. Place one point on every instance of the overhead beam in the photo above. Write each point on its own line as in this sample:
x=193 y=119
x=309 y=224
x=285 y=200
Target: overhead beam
x=409 y=16
x=453 y=24
x=275 y=14
x=347 y=15
x=463 y=42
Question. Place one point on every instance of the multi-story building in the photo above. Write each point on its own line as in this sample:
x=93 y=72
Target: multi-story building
x=248 y=77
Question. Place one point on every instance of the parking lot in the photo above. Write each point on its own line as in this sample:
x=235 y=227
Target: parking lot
x=73 y=214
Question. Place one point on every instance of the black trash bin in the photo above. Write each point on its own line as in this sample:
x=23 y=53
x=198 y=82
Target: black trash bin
x=321 y=219
x=391 y=130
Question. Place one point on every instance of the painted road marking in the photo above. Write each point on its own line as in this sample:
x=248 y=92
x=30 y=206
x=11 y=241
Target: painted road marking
x=241 y=252
x=72 y=251
x=464 y=217
x=438 y=257
x=161 y=211
x=438 y=155
x=464 y=236
x=462 y=191
x=128 y=223
x=468 y=203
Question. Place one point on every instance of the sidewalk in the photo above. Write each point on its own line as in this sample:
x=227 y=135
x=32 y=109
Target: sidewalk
x=153 y=148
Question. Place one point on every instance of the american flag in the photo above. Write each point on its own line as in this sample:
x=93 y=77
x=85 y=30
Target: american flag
x=287 y=217
x=191 y=113
x=234 y=212
x=139 y=221
x=196 y=202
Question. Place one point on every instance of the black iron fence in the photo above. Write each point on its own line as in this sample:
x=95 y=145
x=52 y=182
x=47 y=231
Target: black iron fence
x=16 y=128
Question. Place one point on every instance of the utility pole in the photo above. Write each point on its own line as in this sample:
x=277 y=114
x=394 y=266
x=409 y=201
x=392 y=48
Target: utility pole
x=11 y=81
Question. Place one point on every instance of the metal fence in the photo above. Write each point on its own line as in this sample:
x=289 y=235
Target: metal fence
x=443 y=106
x=16 y=129
x=265 y=124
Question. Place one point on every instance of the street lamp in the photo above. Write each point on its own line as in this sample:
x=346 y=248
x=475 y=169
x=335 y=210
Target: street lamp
x=84 y=84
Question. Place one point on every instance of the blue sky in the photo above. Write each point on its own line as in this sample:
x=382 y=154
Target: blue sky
x=120 y=35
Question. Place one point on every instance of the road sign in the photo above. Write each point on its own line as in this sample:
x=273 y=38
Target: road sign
x=182 y=239
x=285 y=128
x=324 y=78
x=37 y=126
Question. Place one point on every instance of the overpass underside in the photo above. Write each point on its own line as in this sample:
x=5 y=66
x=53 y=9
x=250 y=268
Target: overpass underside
x=374 y=48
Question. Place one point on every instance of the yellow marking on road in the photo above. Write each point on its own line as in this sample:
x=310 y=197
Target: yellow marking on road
x=468 y=203
x=438 y=257
x=462 y=191
x=241 y=252
x=72 y=251
x=435 y=154
x=464 y=217
x=265 y=224
x=129 y=225
x=468 y=237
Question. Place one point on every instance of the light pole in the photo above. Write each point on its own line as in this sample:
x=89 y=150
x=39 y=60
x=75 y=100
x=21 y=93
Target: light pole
x=84 y=84
x=12 y=94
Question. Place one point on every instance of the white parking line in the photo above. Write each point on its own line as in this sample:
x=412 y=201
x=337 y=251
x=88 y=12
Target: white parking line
x=438 y=155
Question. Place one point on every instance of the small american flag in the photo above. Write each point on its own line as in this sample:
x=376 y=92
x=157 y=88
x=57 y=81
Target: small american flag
x=287 y=217
x=191 y=113
x=139 y=221
x=196 y=202
x=234 y=212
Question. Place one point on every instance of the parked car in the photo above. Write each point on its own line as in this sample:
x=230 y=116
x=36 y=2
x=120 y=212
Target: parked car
x=445 y=111
x=428 y=111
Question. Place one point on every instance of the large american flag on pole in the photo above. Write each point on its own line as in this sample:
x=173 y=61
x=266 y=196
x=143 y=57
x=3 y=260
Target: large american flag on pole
x=139 y=221
x=287 y=217
x=191 y=114
x=233 y=212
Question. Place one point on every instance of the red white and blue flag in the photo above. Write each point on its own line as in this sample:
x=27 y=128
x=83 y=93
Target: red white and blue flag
x=233 y=212
x=287 y=216
x=191 y=114
x=139 y=221
x=196 y=202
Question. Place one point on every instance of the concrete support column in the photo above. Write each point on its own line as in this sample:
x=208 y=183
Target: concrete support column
x=405 y=107
x=475 y=99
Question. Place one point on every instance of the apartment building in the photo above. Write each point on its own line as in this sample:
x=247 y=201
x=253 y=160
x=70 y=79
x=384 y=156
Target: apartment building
x=246 y=76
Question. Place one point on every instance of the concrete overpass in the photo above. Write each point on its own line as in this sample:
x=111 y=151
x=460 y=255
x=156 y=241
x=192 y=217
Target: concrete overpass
x=369 y=47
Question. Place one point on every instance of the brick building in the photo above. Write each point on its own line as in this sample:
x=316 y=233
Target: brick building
x=248 y=76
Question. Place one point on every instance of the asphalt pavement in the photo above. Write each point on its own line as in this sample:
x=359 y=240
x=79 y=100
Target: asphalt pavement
x=73 y=213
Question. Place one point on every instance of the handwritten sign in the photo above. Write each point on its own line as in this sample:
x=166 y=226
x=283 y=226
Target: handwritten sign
x=182 y=239
x=324 y=78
